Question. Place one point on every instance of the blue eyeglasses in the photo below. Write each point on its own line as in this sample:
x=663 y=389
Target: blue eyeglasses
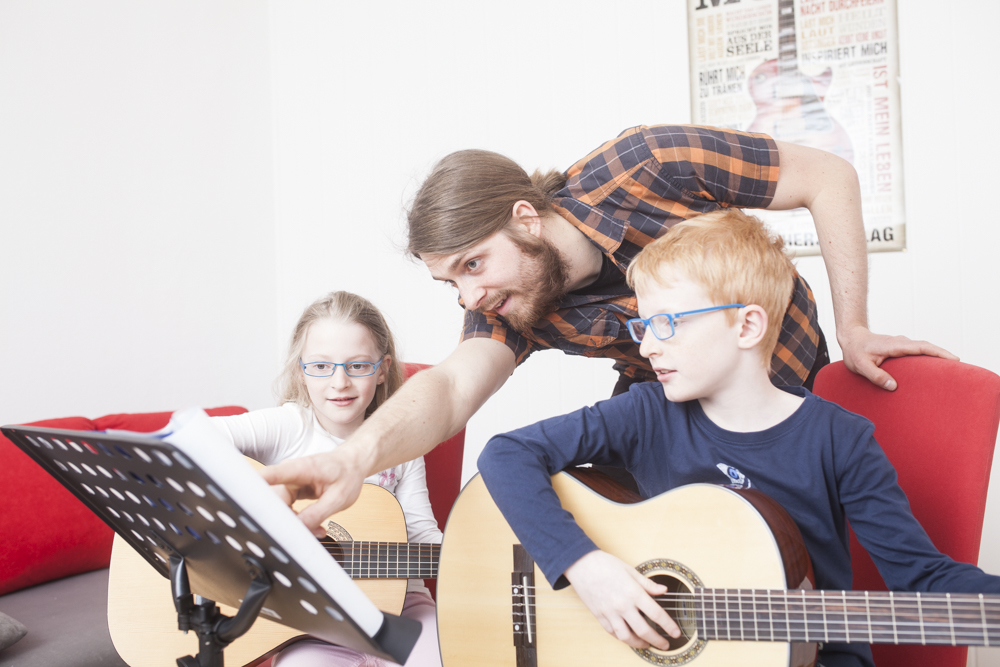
x=354 y=369
x=662 y=324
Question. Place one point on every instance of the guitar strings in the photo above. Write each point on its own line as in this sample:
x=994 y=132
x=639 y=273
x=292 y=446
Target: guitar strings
x=763 y=597
x=795 y=617
x=360 y=558
x=784 y=615
x=813 y=603
x=807 y=614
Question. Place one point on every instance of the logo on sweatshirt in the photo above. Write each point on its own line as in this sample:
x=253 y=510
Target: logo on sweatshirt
x=736 y=478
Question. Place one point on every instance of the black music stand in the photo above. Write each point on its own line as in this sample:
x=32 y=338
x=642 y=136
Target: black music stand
x=186 y=500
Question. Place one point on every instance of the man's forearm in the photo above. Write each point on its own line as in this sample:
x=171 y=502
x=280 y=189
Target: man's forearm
x=828 y=186
x=421 y=414
x=836 y=211
x=431 y=406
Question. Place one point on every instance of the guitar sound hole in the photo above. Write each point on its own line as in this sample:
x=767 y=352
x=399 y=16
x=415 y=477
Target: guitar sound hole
x=678 y=602
x=335 y=549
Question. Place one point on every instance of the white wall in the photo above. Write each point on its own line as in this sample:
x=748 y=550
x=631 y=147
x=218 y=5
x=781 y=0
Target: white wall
x=367 y=101
x=136 y=207
x=164 y=165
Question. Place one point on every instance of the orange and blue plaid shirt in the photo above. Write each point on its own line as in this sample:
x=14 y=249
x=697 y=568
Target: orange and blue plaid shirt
x=630 y=191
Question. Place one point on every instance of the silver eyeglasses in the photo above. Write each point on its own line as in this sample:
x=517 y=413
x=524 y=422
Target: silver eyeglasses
x=354 y=369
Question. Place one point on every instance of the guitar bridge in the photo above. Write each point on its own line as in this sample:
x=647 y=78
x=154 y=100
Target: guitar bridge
x=522 y=588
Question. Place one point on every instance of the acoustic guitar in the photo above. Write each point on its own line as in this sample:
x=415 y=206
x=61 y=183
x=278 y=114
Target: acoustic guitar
x=790 y=104
x=368 y=540
x=738 y=576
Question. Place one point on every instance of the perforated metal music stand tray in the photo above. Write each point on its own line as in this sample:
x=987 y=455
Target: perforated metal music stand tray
x=187 y=501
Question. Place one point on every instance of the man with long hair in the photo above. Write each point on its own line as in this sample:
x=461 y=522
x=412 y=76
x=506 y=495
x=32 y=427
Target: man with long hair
x=539 y=262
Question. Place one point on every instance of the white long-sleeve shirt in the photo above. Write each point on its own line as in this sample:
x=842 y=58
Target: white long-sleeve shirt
x=272 y=435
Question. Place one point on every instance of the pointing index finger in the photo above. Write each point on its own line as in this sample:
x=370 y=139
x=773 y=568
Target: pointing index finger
x=286 y=472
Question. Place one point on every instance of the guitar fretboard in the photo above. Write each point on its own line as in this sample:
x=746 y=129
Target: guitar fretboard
x=838 y=616
x=386 y=560
x=788 y=60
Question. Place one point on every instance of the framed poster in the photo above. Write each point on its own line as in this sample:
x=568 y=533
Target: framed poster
x=822 y=73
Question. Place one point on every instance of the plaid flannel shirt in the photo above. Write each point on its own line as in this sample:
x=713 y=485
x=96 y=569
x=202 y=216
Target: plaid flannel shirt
x=625 y=194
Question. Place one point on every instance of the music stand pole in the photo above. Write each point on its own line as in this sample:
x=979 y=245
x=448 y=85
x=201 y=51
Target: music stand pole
x=215 y=630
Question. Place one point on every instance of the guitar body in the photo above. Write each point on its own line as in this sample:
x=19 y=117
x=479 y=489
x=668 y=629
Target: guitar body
x=790 y=108
x=143 y=622
x=700 y=535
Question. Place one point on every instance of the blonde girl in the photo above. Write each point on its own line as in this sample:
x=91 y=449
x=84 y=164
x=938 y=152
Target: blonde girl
x=341 y=366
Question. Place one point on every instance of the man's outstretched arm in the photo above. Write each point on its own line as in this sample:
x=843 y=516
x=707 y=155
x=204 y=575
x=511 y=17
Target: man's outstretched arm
x=429 y=408
x=828 y=186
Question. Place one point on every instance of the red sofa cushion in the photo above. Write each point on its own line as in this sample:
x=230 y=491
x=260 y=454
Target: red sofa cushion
x=145 y=422
x=46 y=532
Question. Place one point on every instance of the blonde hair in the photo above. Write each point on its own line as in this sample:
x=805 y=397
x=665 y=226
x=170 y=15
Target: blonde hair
x=469 y=196
x=347 y=307
x=733 y=256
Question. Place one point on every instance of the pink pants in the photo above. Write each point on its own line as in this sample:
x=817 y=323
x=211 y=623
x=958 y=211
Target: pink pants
x=315 y=653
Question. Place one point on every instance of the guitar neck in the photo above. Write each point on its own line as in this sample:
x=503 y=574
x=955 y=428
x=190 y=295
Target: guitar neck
x=788 y=59
x=839 y=616
x=386 y=560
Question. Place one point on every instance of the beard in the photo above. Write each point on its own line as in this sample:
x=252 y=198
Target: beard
x=542 y=284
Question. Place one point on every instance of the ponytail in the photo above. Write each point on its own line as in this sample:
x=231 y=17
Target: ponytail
x=469 y=196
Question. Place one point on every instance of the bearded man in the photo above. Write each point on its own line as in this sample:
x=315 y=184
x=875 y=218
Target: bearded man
x=539 y=262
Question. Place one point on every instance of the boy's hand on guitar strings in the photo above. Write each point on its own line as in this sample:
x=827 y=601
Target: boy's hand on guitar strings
x=327 y=476
x=619 y=597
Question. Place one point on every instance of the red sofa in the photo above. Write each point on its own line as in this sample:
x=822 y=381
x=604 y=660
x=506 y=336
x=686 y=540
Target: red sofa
x=54 y=553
